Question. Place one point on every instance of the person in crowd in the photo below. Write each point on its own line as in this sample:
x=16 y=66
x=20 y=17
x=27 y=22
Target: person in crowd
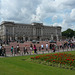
x=25 y=50
x=31 y=48
x=53 y=48
x=7 y=42
x=71 y=45
x=0 y=49
x=42 y=47
x=46 y=46
x=39 y=48
x=35 y=50
x=60 y=46
x=18 y=49
x=12 y=50
x=3 y=50
x=50 y=46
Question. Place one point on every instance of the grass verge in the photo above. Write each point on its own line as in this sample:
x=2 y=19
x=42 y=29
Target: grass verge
x=23 y=66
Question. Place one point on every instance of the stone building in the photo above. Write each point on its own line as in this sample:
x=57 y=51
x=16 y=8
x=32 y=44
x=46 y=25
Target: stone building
x=34 y=31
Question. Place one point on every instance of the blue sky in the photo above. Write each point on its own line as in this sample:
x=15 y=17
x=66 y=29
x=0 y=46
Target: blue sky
x=49 y=12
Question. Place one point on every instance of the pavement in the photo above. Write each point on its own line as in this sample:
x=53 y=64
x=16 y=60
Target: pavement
x=27 y=44
x=38 y=52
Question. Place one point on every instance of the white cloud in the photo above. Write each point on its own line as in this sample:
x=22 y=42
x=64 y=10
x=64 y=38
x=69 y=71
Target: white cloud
x=20 y=11
x=72 y=14
x=27 y=11
x=54 y=18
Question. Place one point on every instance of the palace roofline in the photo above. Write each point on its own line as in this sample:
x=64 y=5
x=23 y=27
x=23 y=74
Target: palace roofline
x=34 y=23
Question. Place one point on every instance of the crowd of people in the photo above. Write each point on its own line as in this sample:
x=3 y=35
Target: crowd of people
x=52 y=46
x=2 y=50
x=33 y=48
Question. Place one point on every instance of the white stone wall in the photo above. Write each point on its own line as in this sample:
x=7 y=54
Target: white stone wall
x=28 y=31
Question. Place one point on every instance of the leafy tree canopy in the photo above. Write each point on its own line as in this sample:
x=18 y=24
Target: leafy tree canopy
x=68 y=33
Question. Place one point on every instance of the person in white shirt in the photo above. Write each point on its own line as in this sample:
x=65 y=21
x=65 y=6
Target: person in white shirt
x=46 y=46
x=42 y=47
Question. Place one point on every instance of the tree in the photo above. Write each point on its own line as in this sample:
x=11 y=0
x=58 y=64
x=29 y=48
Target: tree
x=74 y=33
x=68 y=33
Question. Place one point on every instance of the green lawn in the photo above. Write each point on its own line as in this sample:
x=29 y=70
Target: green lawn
x=18 y=66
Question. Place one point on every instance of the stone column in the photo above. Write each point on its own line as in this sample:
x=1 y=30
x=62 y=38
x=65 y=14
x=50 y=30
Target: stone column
x=28 y=38
x=40 y=38
x=34 y=31
x=51 y=36
x=4 y=32
x=13 y=34
x=23 y=38
x=10 y=38
x=57 y=37
x=41 y=31
x=16 y=38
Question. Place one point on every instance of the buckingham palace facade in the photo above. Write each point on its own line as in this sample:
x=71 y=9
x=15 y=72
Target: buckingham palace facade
x=34 y=31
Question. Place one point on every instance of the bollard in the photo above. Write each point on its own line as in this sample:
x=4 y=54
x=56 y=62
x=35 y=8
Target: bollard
x=71 y=48
x=14 y=51
x=14 y=54
x=67 y=48
x=58 y=49
x=60 y=65
x=5 y=52
x=42 y=52
x=51 y=51
x=63 y=49
x=48 y=51
x=30 y=52
x=22 y=53
x=36 y=52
